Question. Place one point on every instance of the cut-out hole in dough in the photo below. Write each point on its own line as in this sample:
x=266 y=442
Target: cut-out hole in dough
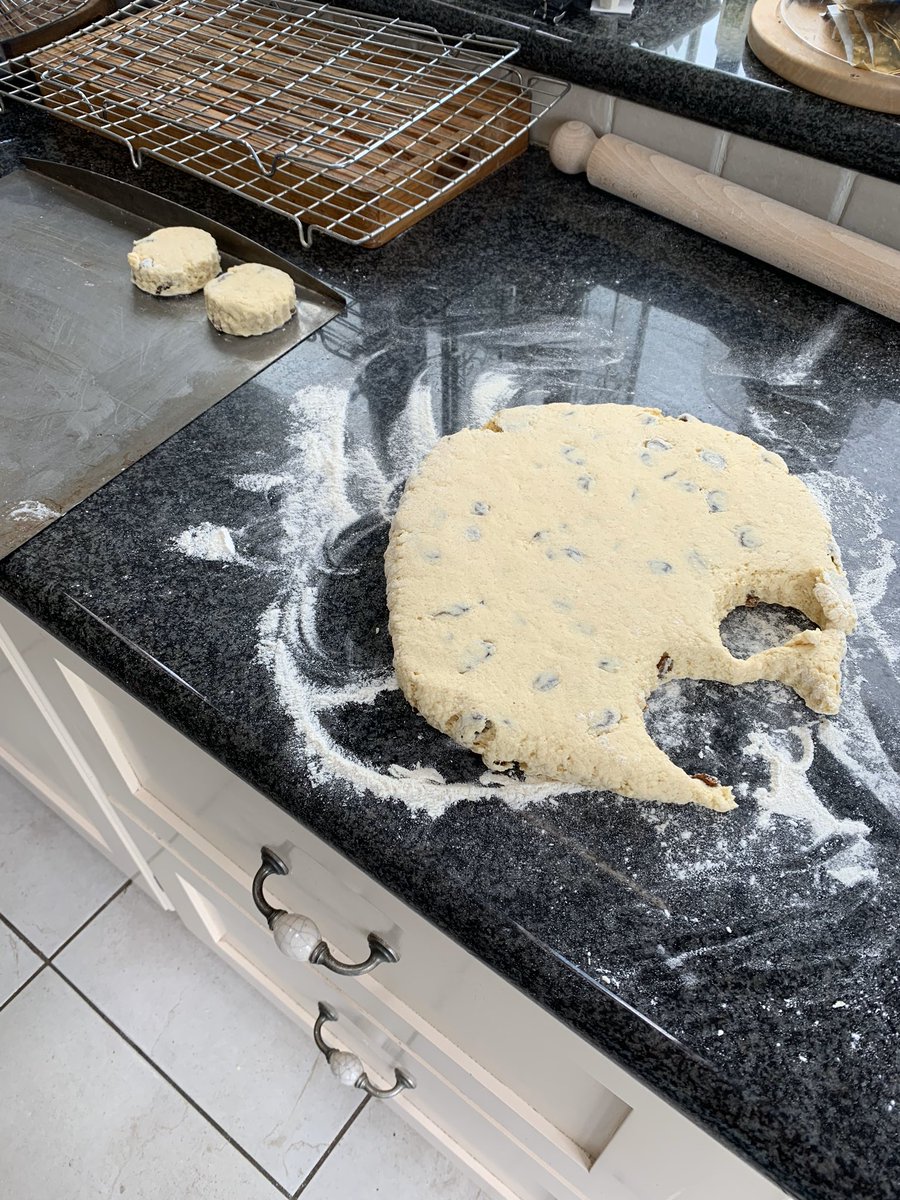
x=749 y=629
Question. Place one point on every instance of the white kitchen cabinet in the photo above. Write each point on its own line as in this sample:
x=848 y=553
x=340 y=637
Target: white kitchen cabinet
x=49 y=744
x=525 y=1105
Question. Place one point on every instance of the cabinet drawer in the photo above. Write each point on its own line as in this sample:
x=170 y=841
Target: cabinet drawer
x=172 y=785
x=471 y=1097
x=511 y=1151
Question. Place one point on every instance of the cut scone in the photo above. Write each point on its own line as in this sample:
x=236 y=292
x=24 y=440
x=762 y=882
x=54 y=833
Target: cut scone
x=174 y=261
x=250 y=299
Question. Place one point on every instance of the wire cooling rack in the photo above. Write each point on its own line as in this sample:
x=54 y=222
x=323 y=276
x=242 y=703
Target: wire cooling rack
x=352 y=124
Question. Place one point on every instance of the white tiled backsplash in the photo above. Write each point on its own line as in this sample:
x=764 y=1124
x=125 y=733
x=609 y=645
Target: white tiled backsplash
x=859 y=202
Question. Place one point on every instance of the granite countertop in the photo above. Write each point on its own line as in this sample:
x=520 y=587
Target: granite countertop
x=688 y=57
x=743 y=966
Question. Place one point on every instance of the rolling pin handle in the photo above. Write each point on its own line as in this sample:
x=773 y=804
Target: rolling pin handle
x=571 y=145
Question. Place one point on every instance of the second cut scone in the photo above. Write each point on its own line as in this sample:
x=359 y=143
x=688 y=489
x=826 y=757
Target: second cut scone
x=250 y=299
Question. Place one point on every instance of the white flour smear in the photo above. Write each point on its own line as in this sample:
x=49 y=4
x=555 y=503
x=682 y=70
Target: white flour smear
x=797 y=367
x=211 y=542
x=258 y=483
x=791 y=795
x=415 y=433
x=491 y=391
x=857 y=518
x=33 y=510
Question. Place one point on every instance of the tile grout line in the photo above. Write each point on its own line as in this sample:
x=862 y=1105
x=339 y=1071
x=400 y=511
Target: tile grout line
x=308 y=1178
x=21 y=988
x=46 y=958
x=21 y=936
x=283 y=1191
x=81 y=928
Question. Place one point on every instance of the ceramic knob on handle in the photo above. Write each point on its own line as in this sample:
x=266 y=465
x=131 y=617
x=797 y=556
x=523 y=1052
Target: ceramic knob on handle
x=298 y=937
x=347 y=1068
x=295 y=935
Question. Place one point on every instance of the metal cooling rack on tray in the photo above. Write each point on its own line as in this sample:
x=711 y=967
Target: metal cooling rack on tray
x=352 y=124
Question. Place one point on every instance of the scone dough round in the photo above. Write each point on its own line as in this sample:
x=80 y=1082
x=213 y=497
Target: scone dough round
x=175 y=261
x=250 y=299
x=547 y=572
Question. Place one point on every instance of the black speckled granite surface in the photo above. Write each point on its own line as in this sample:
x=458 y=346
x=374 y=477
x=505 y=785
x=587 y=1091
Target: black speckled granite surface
x=745 y=966
x=683 y=56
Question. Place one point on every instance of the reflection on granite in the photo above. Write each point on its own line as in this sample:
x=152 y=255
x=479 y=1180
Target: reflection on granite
x=738 y=965
x=9 y=154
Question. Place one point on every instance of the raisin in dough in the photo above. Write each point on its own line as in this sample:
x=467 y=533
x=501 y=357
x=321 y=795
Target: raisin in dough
x=546 y=572
x=174 y=261
x=250 y=299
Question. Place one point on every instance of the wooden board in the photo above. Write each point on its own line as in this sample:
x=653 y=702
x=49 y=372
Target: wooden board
x=812 y=66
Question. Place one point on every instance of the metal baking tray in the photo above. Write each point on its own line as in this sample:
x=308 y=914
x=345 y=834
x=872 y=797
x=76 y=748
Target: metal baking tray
x=93 y=372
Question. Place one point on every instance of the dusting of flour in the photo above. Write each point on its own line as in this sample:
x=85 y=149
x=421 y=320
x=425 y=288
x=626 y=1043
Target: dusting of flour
x=33 y=510
x=789 y=794
x=212 y=542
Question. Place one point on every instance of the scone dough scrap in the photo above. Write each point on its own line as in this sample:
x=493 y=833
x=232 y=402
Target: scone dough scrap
x=250 y=299
x=547 y=572
x=174 y=261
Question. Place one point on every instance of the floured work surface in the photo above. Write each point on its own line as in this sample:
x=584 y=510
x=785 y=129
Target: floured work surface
x=93 y=372
x=544 y=573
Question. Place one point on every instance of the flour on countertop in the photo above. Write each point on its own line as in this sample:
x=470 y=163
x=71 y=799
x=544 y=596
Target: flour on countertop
x=413 y=436
x=211 y=542
x=33 y=510
x=337 y=479
x=857 y=518
x=790 y=794
x=491 y=391
x=258 y=482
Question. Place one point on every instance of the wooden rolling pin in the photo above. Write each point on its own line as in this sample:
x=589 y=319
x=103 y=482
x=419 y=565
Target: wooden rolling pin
x=853 y=266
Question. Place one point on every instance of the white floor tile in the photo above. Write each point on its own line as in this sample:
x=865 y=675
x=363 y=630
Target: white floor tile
x=381 y=1156
x=83 y=1116
x=51 y=880
x=17 y=963
x=238 y=1057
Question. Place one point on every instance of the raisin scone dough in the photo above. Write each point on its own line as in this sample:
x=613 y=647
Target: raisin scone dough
x=250 y=299
x=175 y=261
x=545 y=573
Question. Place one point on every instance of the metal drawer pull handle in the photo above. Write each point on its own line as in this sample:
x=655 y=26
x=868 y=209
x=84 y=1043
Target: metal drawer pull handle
x=298 y=937
x=347 y=1068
